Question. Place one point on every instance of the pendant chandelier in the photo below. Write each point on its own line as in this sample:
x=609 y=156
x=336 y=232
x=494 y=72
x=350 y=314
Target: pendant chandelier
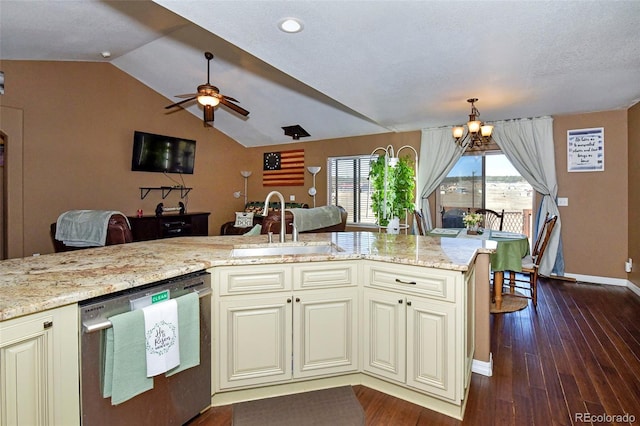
x=477 y=134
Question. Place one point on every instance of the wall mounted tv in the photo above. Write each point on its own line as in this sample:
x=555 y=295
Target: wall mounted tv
x=165 y=154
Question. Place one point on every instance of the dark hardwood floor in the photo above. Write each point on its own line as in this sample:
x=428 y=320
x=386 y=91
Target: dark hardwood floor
x=578 y=355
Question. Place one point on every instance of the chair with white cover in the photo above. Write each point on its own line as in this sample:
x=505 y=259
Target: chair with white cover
x=491 y=219
x=531 y=263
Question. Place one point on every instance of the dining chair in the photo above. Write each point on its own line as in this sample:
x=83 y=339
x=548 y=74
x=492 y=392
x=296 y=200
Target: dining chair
x=491 y=219
x=420 y=222
x=531 y=263
x=452 y=218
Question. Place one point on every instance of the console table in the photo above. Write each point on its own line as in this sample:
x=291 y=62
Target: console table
x=172 y=225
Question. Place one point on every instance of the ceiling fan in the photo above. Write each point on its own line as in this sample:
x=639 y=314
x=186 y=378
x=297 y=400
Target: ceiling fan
x=209 y=96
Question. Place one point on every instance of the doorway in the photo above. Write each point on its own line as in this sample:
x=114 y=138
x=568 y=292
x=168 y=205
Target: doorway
x=488 y=180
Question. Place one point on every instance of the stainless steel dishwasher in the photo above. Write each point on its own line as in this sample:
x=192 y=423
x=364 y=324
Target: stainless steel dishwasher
x=174 y=399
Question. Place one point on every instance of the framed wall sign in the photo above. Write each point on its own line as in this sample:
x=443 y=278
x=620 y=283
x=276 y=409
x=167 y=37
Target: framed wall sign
x=585 y=150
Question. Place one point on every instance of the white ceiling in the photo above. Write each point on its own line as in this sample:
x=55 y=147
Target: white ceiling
x=358 y=67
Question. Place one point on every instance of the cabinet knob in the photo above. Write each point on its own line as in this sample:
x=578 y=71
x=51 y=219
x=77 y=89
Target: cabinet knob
x=297 y=299
x=408 y=302
x=289 y=300
x=400 y=301
x=47 y=324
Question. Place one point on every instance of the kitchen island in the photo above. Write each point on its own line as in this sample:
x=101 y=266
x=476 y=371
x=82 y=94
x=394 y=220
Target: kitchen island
x=32 y=286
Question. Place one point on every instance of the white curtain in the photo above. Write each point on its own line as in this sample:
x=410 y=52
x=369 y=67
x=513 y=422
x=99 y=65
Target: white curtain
x=438 y=155
x=528 y=144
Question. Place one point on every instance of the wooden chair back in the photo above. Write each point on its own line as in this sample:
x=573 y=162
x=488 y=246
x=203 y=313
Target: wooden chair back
x=538 y=243
x=420 y=222
x=545 y=234
x=492 y=219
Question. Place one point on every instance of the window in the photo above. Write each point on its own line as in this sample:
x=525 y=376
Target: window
x=488 y=180
x=348 y=186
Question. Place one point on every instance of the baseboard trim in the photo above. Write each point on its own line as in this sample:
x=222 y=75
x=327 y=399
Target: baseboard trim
x=606 y=281
x=483 y=367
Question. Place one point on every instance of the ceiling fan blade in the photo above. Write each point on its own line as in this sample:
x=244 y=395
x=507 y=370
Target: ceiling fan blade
x=208 y=114
x=229 y=98
x=180 y=103
x=236 y=108
x=188 y=95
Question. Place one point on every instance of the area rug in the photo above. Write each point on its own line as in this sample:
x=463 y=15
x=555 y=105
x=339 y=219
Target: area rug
x=331 y=407
x=510 y=304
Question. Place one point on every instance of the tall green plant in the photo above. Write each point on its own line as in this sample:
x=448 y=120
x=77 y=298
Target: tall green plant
x=393 y=188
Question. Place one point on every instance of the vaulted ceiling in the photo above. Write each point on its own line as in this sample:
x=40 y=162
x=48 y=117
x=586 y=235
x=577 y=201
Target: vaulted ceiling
x=357 y=67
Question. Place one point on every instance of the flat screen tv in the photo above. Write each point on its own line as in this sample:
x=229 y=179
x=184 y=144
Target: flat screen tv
x=165 y=154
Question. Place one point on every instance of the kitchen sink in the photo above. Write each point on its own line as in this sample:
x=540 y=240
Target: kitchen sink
x=284 y=250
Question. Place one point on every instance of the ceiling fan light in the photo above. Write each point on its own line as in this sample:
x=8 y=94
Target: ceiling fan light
x=458 y=131
x=208 y=100
x=486 y=130
x=474 y=126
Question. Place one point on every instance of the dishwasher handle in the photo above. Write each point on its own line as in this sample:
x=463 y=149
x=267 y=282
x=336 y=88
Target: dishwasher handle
x=104 y=324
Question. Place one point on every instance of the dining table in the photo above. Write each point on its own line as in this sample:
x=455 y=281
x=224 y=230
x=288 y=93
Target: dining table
x=511 y=247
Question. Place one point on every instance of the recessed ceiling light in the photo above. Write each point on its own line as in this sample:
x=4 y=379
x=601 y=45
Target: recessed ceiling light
x=290 y=25
x=105 y=54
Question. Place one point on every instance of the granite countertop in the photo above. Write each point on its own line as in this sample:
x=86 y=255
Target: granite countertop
x=35 y=284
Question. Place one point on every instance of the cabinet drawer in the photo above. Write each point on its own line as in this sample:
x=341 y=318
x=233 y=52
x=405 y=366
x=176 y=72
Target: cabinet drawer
x=433 y=283
x=324 y=274
x=252 y=279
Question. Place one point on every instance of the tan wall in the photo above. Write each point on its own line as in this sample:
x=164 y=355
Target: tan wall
x=634 y=191
x=595 y=224
x=78 y=128
x=315 y=154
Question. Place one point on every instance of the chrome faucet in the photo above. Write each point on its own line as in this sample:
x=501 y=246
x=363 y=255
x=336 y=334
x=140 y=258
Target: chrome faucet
x=294 y=232
x=283 y=225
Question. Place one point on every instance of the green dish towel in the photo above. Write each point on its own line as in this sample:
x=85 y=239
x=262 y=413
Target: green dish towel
x=125 y=369
x=189 y=331
x=125 y=366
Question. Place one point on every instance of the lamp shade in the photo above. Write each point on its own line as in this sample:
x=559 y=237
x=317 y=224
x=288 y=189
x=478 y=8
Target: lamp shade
x=458 y=131
x=486 y=130
x=474 y=126
x=208 y=100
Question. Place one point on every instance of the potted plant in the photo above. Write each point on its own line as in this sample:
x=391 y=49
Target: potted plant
x=393 y=190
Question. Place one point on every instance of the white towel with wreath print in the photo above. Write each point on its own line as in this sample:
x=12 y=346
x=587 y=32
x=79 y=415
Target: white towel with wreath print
x=162 y=339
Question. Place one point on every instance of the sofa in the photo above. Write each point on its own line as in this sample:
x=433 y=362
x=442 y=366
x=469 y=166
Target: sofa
x=257 y=207
x=271 y=223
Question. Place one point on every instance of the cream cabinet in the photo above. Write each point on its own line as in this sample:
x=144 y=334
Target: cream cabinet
x=283 y=322
x=39 y=369
x=413 y=327
x=255 y=340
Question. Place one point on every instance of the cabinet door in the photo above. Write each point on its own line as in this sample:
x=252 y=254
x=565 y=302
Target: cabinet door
x=39 y=369
x=325 y=334
x=255 y=340
x=431 y=347
x=200 y=224
x=384 y=334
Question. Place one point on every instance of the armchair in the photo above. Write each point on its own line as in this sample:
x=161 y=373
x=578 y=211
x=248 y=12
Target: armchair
x=118 y=232
x=256 y=207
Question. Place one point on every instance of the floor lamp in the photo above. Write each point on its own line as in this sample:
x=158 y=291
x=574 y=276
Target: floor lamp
x=314 y=170
x=245 y=174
